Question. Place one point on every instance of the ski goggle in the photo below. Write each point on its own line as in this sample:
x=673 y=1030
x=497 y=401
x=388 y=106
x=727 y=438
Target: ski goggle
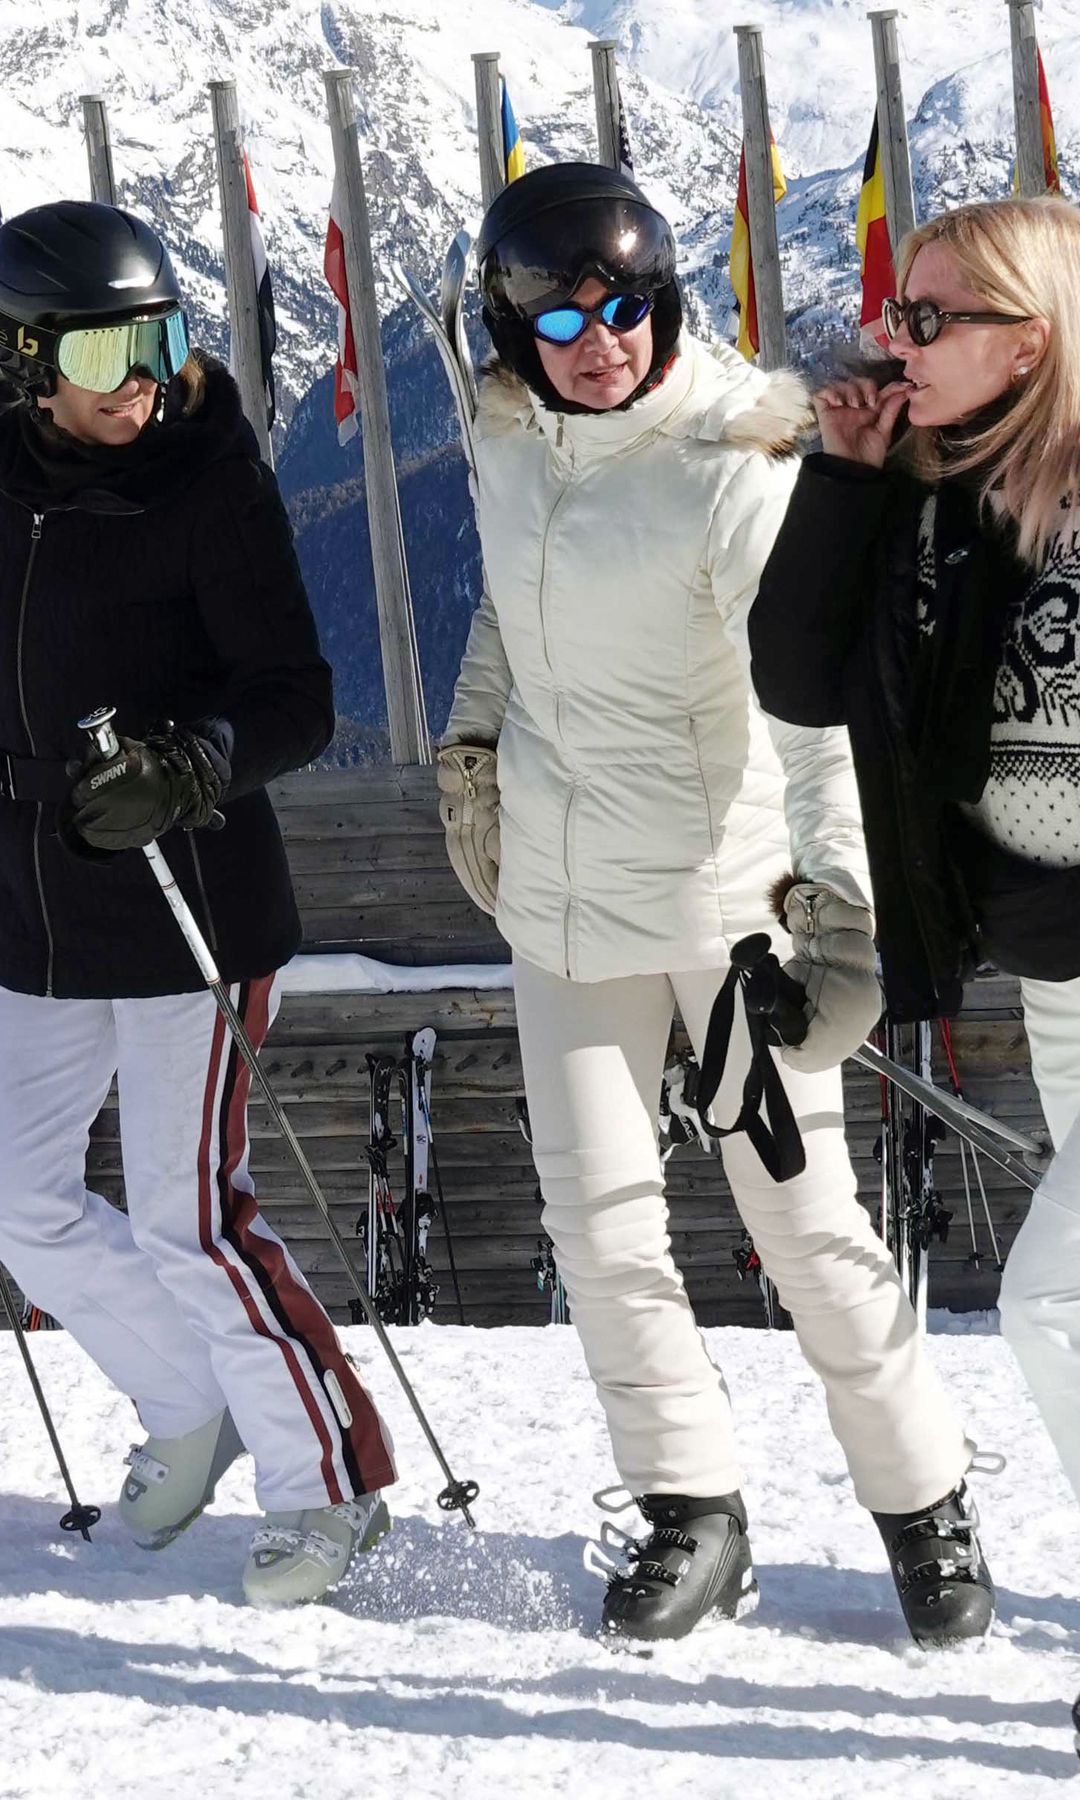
x=925 y=319
x=102 y=357
x=539 y=262
x=565 y=324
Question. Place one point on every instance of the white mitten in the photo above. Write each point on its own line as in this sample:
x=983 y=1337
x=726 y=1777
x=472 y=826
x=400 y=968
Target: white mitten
x=469 y=810
x=835 y=962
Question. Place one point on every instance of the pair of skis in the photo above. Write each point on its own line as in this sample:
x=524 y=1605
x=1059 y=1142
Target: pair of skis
x=913 y=1216
x=446 y=320
x=543 y=1264
x=680 y=1123
x=400 y=1282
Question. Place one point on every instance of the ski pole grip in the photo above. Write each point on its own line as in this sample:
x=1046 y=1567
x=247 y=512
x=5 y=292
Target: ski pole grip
x=768 y=991
x=99 y=727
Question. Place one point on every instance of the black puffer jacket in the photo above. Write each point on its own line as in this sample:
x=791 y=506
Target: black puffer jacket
x=835 y=640
x=160 y=579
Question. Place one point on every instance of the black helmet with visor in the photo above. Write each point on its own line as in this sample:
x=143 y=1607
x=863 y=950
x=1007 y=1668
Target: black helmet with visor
x=551 y=230
x=87 y=291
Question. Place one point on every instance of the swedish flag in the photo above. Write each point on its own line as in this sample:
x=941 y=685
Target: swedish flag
x=513 y=148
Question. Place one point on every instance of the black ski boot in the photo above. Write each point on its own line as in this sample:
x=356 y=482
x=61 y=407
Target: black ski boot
x=944 y=1585
x=696 y=1560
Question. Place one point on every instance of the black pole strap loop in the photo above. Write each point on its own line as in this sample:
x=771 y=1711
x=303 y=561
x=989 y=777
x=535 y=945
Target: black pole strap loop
x=776 y=1136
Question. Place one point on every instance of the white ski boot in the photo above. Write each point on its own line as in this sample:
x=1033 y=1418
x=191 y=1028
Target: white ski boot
x=297 y=1556
x=173 y=1479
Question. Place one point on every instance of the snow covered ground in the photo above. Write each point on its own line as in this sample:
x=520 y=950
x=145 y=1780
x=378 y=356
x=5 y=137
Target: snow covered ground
x=461 y=1665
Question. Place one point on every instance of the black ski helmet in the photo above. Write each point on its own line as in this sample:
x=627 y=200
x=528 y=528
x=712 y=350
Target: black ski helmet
x=550 y=229
x=74 y=262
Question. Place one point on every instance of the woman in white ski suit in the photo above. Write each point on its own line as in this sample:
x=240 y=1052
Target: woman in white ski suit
x=644 y=807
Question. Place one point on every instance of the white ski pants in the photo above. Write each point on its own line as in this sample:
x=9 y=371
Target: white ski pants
x=1040 y=1290
x=593 y=1056
x=188 y=1301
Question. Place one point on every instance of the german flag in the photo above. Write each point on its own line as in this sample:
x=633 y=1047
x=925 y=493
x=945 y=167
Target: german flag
x=741 y=261
x=1051 y=173
x=875 y=252
x=513 y=148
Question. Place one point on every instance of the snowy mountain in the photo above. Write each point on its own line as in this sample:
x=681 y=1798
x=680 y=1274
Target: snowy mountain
x=152 y=61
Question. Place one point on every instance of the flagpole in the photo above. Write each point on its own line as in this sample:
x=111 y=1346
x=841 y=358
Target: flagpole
x=98 y=149
x=760 y=199
x=892 y=128
x=1031 y=168
x=606 y=90
x=409 y=741
x=239 y=264
x=489 y=125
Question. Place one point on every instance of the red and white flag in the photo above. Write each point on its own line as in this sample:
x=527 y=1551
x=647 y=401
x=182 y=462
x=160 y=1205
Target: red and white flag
x=264 y=296
x=346 y=379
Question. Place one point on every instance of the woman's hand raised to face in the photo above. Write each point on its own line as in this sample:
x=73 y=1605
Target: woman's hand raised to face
x=857 y=418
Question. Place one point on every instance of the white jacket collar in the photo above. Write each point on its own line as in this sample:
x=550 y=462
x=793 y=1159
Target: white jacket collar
x=709 y=393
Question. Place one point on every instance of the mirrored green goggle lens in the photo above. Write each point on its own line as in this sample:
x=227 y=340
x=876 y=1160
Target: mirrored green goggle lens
x=102 y=358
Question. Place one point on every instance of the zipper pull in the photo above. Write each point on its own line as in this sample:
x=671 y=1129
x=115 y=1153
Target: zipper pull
x=468 y=765
x=561 y=420
x=809 y=903
x=35 y=529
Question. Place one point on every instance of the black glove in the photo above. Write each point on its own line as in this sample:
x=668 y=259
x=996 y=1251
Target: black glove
x=173 y=777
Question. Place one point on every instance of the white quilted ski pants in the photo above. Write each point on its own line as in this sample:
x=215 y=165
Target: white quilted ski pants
x=188 y=1301
x=593 y=1055
x=1040 y=1290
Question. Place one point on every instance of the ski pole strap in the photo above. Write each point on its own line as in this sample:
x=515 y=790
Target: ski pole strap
x=776 y=1136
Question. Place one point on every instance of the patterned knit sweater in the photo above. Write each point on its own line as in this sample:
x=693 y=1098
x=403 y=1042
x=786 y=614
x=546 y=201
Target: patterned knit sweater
x=1031 y=802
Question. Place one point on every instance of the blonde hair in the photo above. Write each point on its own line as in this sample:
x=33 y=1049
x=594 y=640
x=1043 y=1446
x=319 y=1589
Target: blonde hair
x=1018 y=256
x=193 y=376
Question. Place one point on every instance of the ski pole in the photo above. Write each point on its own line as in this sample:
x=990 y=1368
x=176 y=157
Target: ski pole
x=80 y=1517
x=778 y=995
x=457 y=1496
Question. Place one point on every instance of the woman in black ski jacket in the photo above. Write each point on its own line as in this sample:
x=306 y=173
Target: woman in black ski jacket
x=147 y=564
x=927 y=593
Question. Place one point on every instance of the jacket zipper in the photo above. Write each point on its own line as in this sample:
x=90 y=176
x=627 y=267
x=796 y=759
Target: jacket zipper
x=560 y=497
x=35 y=539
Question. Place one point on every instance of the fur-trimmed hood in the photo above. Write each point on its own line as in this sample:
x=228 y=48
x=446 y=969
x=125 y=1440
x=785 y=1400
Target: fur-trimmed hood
x=711 y=393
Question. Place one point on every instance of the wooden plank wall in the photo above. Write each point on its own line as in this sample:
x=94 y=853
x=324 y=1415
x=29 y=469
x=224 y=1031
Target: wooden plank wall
x=366 y=851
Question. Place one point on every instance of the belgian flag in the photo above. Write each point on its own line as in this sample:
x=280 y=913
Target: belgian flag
x=876 y=269
x=741 y=261
x=1051 y=174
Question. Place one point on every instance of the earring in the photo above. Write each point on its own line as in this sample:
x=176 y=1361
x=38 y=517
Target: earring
x=1017 y=373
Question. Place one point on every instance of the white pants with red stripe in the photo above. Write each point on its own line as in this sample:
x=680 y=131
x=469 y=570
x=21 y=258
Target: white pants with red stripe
x=593 y=1056
x=188 y=1302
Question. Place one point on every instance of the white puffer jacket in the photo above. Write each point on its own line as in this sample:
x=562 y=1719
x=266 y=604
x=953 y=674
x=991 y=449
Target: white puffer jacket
x=642 y=793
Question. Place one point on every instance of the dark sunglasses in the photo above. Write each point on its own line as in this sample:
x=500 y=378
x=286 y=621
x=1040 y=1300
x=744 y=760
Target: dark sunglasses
x=565 y=324
x=925 y=319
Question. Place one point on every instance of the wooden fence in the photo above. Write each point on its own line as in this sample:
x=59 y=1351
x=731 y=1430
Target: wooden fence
x=366 y=851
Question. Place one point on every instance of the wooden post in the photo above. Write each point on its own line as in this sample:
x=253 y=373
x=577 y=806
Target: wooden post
x=489 y=125
x=606 y=88
x=239 y=267
x=1025 y=67
x=764 y=246
x=892 y=129
x=409 y=741
x=98 y=149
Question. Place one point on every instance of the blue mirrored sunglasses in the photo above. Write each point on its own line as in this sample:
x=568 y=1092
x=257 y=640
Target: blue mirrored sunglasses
x=565 y=324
